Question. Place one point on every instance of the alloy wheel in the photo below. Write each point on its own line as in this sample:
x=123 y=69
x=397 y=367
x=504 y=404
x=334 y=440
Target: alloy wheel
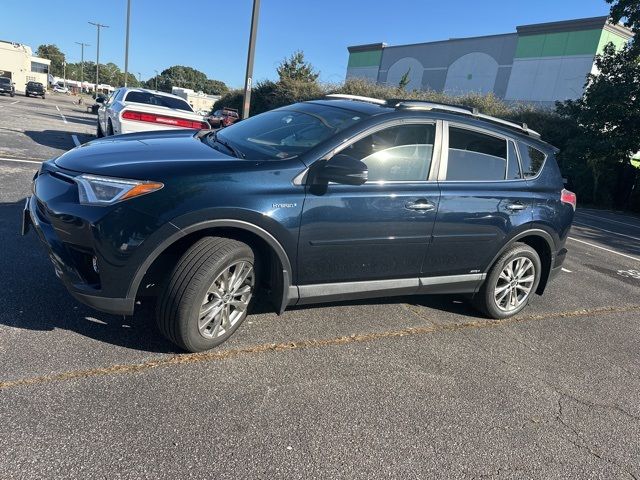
x=514 y=284
x=226 y=300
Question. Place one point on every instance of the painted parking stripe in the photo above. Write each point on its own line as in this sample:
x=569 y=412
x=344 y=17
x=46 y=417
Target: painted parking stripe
x=75 y=140
x=566 y=270
x=605 y=230
x=605 y=249
x=63 y=119
x=13 y=103
x=19 y=160
x=607 y=219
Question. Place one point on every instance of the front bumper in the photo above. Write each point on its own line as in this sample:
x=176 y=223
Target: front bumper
x=100 y=253
x=67 y=266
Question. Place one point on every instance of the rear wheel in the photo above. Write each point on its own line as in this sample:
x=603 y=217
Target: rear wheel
x=511 y=282
x=26 y=94
x=208 y=294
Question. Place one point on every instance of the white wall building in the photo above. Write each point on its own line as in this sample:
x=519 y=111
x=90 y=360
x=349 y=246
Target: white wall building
x=18 y=63
x=199 y=101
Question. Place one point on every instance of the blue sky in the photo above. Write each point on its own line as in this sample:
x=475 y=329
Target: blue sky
x=212 y=35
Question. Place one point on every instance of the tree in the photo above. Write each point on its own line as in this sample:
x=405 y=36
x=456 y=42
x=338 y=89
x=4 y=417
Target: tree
x=608 y=114
x=296 y=68
x=404 y=80
x=629 y=10
x=53 y=53
x=186 y=77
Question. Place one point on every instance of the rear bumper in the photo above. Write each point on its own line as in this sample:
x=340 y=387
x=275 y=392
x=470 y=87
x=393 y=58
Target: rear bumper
x=557 y=264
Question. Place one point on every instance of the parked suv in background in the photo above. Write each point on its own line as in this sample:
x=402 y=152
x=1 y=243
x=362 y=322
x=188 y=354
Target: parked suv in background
x=319 y=201
x=223 y=118
x=7 y=86
x=36 y=89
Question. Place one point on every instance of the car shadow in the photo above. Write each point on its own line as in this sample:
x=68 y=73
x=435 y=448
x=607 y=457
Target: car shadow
x=34 y=299
x=58 y=139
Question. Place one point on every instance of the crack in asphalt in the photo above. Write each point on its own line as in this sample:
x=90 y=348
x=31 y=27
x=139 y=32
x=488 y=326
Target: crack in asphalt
x=305 y=344
x=580 y=443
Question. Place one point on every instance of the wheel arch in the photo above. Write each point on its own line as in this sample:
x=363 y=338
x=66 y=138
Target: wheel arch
x=542 y=242
x=278 y=266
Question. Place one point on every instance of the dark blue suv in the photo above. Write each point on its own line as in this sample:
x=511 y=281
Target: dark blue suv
x=321 y=201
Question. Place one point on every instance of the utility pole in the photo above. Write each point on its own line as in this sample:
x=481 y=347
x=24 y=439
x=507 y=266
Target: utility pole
x=64 y=73
x=156 y=79
x=126 y=45
x=98 y=26
x=139 y=78
x=248 y=82
x=82 y=45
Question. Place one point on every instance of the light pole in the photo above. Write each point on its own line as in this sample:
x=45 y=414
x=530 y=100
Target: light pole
x=82 y=45
x=98 y=26
x=64 y=73
x=139 y=78
x=252 y=46
x=126 y=45
x=156 y=79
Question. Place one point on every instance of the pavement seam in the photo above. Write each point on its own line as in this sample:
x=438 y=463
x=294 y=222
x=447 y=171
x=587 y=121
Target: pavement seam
x=214 y=355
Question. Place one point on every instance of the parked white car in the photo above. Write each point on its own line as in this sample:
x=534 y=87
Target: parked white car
x=130 y=110
x=60 y=89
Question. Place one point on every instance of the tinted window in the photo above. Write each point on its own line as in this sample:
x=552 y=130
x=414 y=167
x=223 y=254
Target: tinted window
x=401 y=153
x=513 y=166
x=287 y=131
x=4 y=80
x=158 y=100
x=474 y=156
x=532 y=160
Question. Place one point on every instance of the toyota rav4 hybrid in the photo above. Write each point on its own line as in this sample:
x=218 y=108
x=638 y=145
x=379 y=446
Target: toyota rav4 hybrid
x=321 y=201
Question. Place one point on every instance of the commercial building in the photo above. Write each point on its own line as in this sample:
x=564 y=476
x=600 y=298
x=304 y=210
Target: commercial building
x=539 y=63
x=199 y=101
x=18 y=63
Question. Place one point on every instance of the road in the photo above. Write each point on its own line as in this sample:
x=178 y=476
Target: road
x=413 y=387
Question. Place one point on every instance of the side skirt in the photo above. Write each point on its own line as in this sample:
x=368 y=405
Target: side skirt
x=337 y=292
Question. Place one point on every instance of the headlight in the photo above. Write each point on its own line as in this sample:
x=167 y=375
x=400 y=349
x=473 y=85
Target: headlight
x=96 y=190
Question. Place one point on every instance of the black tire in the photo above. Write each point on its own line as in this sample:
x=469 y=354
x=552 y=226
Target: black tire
x=99 y=132
x=12 y=94
x=186 y=289
x=485 y=299
x=26 y=94
x=109 y=128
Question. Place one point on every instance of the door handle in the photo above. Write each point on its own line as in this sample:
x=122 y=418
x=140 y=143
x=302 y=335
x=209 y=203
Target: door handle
x=421 y=205
x=516 y=207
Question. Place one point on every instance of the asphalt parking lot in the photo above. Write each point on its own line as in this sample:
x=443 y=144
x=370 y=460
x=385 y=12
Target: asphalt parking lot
x=416 y=387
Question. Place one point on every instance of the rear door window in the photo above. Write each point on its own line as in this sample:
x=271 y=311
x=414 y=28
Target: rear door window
x=475 y=156
x=532 y=160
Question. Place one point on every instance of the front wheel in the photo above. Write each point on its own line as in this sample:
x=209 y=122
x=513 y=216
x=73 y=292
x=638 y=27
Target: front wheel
x=511 y=282
x=208 y=294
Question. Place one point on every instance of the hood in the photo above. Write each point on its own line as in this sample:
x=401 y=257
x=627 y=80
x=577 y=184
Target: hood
x=135 y=155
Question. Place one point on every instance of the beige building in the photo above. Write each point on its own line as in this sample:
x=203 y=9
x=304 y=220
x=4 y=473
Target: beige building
x=199 y=101
x=18 y=63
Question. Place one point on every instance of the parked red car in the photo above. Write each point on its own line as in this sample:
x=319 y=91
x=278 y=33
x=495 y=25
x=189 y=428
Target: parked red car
x=223 y=118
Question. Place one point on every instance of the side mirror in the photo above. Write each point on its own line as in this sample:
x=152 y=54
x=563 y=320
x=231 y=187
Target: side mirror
x=100 y=100
x=343 y=169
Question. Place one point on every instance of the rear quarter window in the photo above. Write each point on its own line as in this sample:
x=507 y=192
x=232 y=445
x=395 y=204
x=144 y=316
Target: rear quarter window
x=532 y=160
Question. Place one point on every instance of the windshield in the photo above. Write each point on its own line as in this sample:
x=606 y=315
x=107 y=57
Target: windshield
x=287 y=131
x=4 y=80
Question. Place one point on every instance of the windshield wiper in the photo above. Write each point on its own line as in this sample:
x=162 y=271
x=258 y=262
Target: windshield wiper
x=236 y=153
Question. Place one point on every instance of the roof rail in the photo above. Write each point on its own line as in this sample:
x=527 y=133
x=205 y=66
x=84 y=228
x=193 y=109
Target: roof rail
x=343 y=96
x=464 y=110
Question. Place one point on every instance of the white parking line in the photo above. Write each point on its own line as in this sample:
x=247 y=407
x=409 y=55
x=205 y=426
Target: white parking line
x=75 y=140
x=13 y=103
x=17 y=160
x=606 y=249
x=566 y=270
x=607 y=219
x=63 y=119
x=605 y=230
